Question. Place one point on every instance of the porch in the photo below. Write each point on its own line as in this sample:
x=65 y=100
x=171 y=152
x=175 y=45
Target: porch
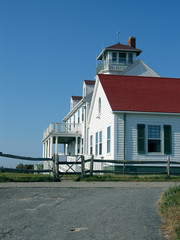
x=61 y=138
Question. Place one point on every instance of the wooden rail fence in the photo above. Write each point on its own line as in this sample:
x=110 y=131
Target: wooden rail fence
x=80 y=160
x=53 y=170
x=168 y=165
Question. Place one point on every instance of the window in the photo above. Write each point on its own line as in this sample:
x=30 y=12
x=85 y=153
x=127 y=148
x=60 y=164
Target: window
x=130 y=58
x=99 y=106
x=100 y=142
x=78 y=145
x=108 y=139
x=91 y=144
x=122 y=58
x=154 y=142
x=96 y=146
x=82 y=145
x=82 y=113
x=74 y=121
x=78 y=116
x=114 y=57
x=154 y=138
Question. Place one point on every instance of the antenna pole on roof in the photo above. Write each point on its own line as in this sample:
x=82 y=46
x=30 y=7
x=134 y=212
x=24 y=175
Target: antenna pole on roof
x=118 y=32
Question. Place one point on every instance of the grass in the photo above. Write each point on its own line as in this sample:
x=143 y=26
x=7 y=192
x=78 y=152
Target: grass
x=28 y=177
x=25 y=177
x=132 y=178
x=169 y=207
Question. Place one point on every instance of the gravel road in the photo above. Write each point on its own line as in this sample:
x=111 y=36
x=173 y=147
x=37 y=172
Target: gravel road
x=80 y=210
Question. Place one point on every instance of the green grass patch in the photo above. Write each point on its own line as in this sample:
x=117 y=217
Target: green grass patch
x=169 y=207
x=25 y=177
x=133 y=178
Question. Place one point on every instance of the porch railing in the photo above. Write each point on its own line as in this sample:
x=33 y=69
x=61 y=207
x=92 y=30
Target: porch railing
x=62 y=128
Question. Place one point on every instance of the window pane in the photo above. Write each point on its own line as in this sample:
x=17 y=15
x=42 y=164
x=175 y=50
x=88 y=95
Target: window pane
x=108 y=139
x=114 y=57
x=122 y=57
x=97 y=143
x=154 y=146
x=108 y=132
x=153 y=131
x=100 y=142
x=130 y=58
x=91 y=144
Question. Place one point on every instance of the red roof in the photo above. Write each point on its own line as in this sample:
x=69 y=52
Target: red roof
x=76 y=98
x=89 y=82
x=120 y=46
x=142 y=94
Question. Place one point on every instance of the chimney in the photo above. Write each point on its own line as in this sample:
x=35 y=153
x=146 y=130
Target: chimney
x=132 y=42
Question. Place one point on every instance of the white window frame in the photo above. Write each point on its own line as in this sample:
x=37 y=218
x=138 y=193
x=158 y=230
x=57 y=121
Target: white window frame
x=91 y=144
x=160 y=139
x=109 y=140
x=100 y=143
x=96 y=143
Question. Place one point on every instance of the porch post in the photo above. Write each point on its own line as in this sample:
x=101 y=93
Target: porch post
x=56 y=146
x=43 y=151
x=51 y=147
x=76 y=146
x=47 y=148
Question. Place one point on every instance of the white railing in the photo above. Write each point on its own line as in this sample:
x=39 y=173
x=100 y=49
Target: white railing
x=113 y=66
x=62 y=128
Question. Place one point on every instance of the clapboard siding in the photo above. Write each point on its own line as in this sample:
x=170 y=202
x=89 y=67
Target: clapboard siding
x=120 y=137
x=100 y=122
x=131 y=135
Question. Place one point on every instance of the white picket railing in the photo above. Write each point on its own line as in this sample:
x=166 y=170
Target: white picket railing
x=62 y=128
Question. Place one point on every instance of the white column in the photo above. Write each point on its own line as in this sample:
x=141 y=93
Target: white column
x=56 y=146
x=43 y=151
x=51 y=147
x=76 y=146
x=48 y=148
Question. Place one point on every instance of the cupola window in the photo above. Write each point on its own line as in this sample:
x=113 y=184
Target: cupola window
x=114 y=57
x=130 y=58
x=122 y=58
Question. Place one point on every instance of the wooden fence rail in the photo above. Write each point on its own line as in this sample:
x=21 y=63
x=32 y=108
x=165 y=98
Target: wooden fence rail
x=80 y=160
x=167 y=164
x=27 y=159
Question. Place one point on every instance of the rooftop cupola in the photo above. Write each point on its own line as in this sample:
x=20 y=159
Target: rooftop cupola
x=116 y=58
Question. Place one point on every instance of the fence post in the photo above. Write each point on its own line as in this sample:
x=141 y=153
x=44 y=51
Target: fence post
x=168 y=166
x=82 y=167
x=53 y=168
x=91 y=165
x=57 y=167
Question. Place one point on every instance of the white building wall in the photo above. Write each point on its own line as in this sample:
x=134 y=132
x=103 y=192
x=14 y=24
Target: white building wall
x=100 y=122
x=131 y=135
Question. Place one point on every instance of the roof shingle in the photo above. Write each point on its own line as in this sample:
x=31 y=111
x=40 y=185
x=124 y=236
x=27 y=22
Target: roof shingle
x=142 y=94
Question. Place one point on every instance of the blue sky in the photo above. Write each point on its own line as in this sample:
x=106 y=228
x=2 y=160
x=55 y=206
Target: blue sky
x=48 y=47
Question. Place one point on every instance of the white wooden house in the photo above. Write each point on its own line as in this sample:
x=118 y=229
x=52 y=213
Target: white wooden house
x=128 y=113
